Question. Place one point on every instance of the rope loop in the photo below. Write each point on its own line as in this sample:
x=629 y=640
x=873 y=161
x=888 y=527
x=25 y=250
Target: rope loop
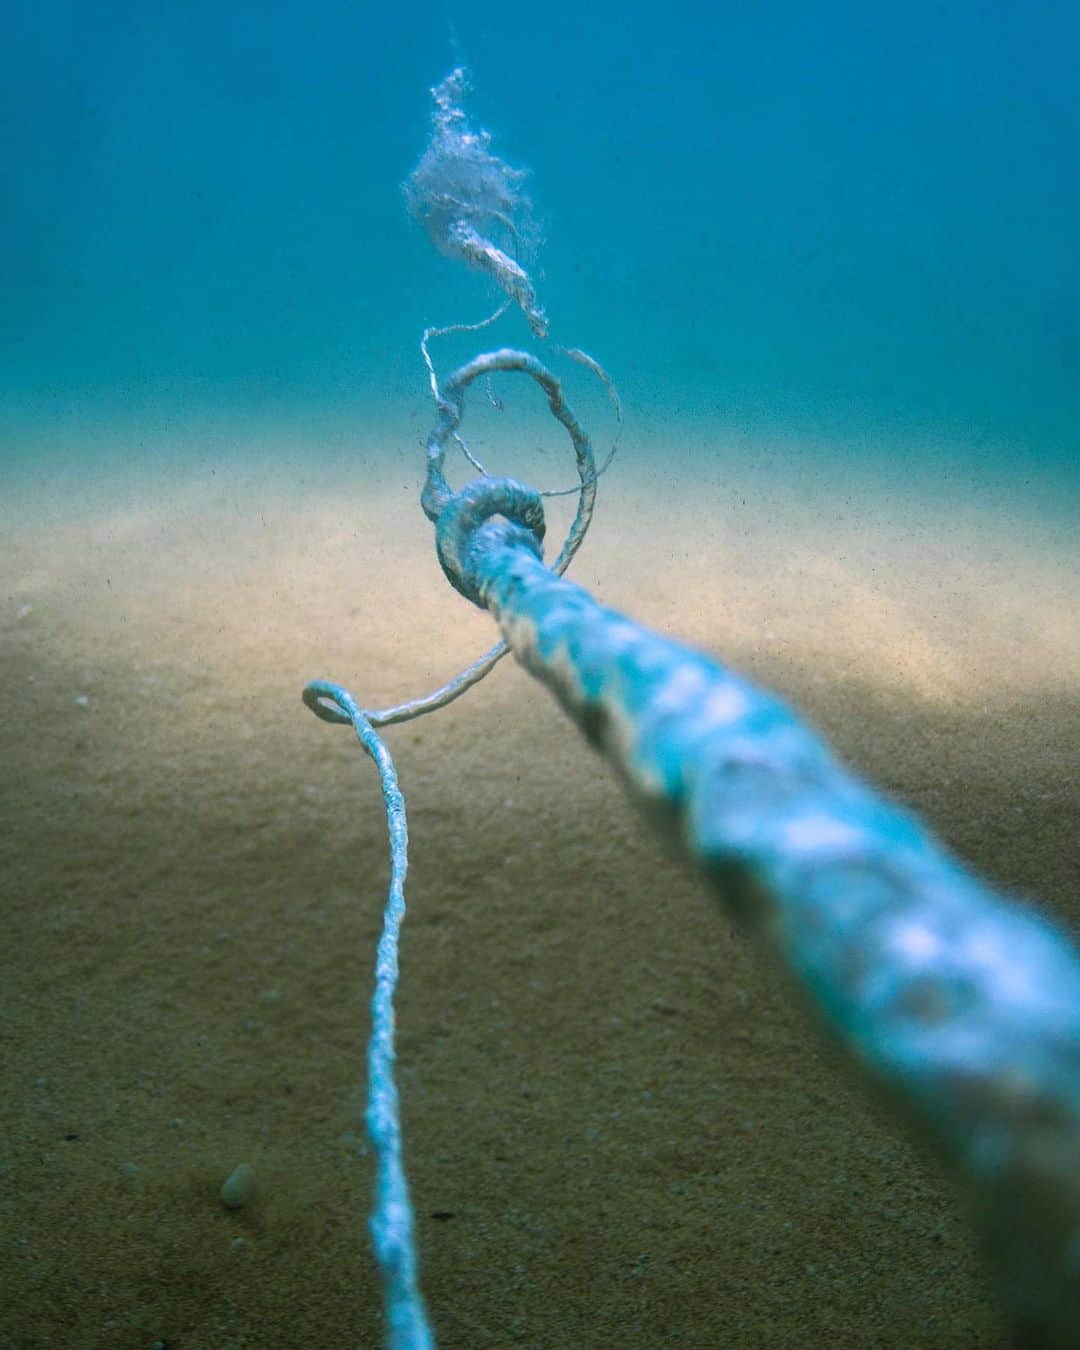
x=330 y=702
x=458 y=516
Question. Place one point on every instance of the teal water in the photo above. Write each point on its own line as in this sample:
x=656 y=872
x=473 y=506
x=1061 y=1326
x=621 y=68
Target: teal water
x=842 y=226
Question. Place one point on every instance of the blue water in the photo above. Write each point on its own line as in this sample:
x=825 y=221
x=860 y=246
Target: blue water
x=838 y=223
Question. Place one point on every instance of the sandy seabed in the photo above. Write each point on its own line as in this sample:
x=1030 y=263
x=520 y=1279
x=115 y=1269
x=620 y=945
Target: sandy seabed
x=620 y=1129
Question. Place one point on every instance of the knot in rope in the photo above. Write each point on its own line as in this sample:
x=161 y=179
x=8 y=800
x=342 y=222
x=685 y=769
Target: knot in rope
x=466 y=528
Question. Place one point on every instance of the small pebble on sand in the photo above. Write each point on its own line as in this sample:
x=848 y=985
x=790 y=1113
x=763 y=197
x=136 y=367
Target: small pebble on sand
x=239 y=1188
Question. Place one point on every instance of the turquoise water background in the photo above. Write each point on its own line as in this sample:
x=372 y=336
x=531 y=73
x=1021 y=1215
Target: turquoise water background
x=840 y=225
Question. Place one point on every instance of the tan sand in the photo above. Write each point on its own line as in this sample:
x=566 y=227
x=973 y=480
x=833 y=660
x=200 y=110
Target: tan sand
x=620 y=1131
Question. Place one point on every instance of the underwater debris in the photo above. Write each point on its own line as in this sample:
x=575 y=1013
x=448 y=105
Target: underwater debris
x=467 y=198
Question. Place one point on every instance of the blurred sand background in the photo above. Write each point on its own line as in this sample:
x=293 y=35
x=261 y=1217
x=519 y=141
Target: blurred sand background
x=619 y=1128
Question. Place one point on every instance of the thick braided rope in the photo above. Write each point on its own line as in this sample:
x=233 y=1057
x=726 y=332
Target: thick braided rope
x=964 y=1006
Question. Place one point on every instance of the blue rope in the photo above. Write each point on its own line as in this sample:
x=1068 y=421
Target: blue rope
x=392 y=1218
x=963 y=1005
